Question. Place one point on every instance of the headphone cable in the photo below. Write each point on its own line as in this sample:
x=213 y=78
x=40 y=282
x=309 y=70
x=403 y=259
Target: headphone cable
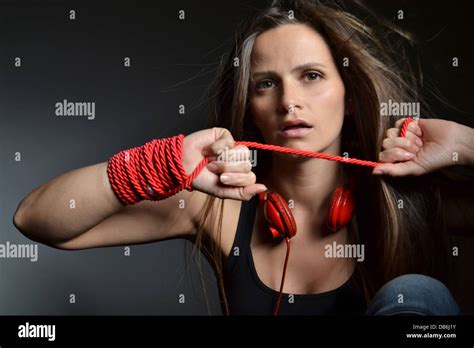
x=277 y=306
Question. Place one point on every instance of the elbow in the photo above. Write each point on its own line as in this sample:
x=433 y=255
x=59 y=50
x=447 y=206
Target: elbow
x=22 y=218
x=21 y=223
x=19 y=220
x=36 y=229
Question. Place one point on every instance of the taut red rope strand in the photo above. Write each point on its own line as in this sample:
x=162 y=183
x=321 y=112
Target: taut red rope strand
x=154 y=171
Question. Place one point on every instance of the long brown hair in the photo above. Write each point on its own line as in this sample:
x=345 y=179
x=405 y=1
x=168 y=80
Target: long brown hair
x=397 y=219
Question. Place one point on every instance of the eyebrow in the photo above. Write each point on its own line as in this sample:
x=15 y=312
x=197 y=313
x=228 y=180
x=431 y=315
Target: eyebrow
x=299 y=67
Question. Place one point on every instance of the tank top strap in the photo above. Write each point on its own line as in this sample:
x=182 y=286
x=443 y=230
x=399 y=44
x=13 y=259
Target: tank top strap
x=243 y=235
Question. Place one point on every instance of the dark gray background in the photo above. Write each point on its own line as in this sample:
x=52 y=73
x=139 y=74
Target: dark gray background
x=172 y=64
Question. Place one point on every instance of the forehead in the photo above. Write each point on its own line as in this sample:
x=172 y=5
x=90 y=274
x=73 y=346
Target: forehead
x=289 y=44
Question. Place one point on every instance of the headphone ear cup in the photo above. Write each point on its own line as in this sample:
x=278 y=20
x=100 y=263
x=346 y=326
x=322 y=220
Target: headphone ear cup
x=270 y=211
x=285 y=214
x=341 y=208
x=278 y=215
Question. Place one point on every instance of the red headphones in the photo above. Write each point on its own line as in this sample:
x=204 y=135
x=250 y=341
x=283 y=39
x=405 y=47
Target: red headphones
x=280 y=219
x=281 y=223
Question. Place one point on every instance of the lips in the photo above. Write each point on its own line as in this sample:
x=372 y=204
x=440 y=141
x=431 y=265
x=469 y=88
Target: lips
x=296 y=127
x=297 y=131
x=295 y=124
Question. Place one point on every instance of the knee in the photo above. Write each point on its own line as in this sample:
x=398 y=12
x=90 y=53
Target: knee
x=413 y=294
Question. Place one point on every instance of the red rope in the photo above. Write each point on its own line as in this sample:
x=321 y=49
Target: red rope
x=307 y=153
x=405 y=125
x=154 y=171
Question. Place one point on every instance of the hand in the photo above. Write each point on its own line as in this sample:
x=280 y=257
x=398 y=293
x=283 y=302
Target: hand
x=225 y=159
x=428 y=145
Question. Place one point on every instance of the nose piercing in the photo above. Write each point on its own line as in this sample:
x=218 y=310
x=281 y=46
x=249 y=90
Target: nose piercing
x=291 y=108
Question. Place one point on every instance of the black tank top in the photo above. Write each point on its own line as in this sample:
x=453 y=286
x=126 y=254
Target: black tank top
x=248 y=295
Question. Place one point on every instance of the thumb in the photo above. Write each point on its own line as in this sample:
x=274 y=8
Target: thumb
x=221 y=139
x=396 y=169
x=249 y=191
x=224 y=134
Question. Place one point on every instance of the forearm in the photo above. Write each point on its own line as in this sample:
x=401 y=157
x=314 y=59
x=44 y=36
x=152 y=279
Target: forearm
x=68 y=205
x=465 y=140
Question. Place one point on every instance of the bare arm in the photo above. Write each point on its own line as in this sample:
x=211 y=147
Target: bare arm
x=465 y=137
x=79 y=210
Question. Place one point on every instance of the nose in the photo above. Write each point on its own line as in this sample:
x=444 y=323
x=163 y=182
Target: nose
x=289 y=100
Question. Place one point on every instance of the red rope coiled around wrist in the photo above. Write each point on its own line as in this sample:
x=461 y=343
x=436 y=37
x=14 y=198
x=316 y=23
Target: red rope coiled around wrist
x=153 y=171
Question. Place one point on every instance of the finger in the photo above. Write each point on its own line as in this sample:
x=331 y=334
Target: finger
x=395 y=155
x=239 y=153
x=393 y=132
x=238 y=179
x=244 y=193
x=236 y=154
x=251 y=190
x=399 y=123
x=224 y=141
x=225 y=135
x=414 y=127
x=218 y=147
x=411 y=135
x=398 y=169
x=404 y=143
x=231 y=167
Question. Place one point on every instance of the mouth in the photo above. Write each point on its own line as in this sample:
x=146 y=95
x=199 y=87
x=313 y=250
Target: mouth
x=296 y=129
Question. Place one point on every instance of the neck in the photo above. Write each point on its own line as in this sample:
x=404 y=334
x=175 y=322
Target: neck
x=307 y=183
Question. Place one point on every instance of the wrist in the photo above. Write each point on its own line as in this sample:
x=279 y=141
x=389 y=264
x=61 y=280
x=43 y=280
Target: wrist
x=149 y=172
x=188 y=163
x=185 y=160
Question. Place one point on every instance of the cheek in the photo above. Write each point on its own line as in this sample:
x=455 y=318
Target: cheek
x=328 y=106
x=333 y=99
x=261 y=111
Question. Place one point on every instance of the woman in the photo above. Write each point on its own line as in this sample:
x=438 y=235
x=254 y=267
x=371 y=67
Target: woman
x=303 y=62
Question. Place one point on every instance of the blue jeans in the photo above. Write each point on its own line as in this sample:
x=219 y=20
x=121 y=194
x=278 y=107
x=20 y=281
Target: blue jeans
x=413 y=294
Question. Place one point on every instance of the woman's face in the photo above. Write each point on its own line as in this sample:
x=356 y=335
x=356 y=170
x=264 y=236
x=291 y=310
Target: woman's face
x=293 y=76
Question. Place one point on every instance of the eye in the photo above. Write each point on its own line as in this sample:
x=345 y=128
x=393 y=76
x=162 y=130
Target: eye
x=264 y=84
x=312 y=75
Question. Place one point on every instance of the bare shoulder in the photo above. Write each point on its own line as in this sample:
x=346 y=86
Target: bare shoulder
x=199 y=203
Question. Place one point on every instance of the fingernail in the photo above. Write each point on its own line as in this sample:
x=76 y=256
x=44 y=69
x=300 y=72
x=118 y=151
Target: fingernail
x=408 y=154
x=225 y=178
x=418 y=142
